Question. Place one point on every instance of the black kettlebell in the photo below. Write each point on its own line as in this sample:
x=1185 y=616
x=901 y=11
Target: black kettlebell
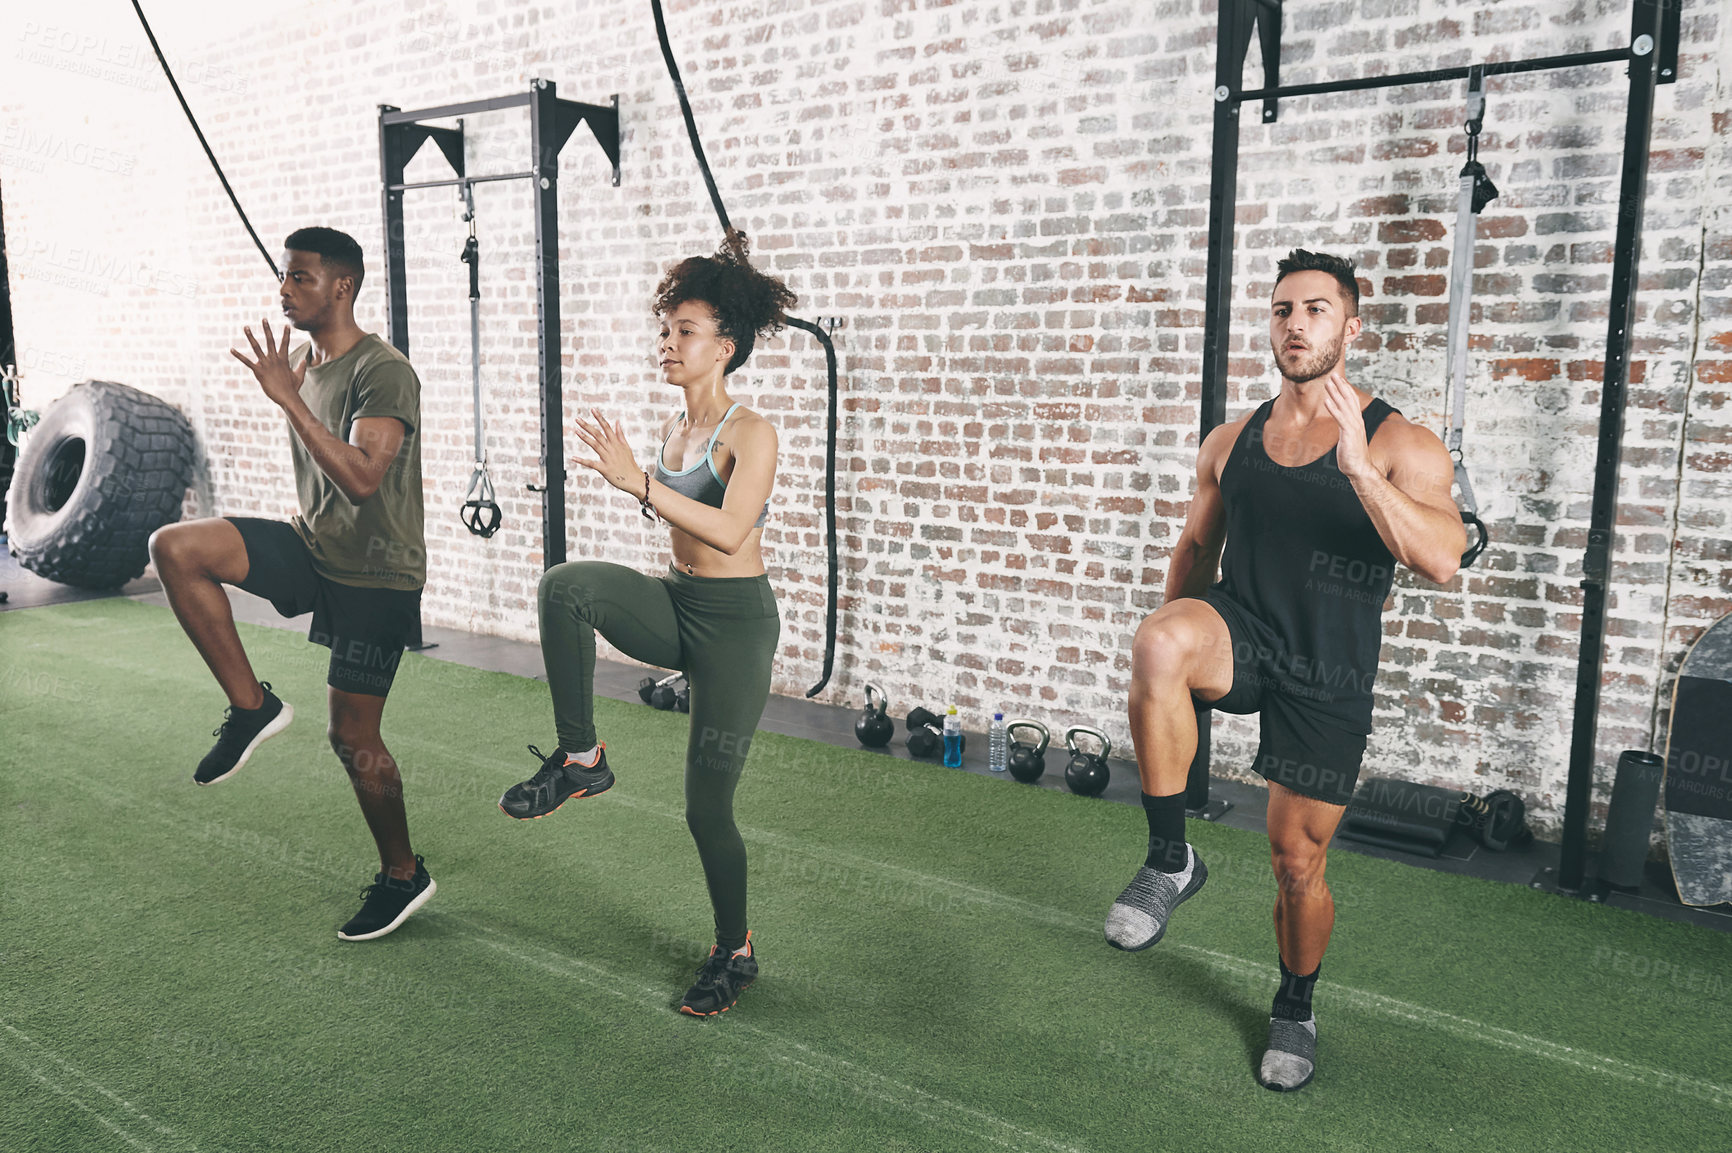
x=663 y=695
x=874 y=729
x=1027 y=762
x=683 y=698
x=1087 y=774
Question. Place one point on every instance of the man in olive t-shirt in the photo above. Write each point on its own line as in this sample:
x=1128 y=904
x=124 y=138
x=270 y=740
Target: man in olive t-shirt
x=378 y=543
x=355 y=557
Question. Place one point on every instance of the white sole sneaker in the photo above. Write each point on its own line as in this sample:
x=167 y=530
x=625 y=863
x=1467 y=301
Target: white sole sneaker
x=419 y=900
x=277 y=725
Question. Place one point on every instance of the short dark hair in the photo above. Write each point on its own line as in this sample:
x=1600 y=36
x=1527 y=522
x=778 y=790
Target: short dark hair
x=747 y=303
x=334 y=249
x=1341 y=268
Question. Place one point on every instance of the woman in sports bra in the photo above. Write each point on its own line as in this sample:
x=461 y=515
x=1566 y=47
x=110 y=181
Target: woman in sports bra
x=712 y=614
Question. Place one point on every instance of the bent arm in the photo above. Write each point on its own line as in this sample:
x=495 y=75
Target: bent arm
x=726 y=529
x=1409 y=502
x=1196 y=558
x=356 y=466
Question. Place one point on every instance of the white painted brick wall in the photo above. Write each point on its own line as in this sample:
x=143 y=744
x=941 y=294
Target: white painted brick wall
x=1006 y=202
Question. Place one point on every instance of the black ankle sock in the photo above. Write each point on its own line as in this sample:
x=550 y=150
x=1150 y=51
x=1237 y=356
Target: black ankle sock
x=1167 y=851
x=1293 y=998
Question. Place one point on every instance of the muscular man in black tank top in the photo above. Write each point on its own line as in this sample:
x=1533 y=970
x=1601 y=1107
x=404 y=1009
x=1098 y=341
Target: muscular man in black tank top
x=1306 y=505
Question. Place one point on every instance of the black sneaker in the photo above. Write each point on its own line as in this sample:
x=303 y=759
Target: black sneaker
x=387 y=903
x=556 y=782
x=242 y=731
x=722 y=977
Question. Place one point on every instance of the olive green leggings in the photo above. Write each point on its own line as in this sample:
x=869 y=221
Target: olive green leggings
x=722 y=632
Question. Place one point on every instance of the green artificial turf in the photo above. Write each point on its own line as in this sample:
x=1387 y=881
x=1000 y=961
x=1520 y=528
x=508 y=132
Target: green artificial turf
x=934 y=976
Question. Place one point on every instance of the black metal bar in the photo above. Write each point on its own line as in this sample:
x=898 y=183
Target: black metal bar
x=1269 y=38
x=445 y=111
x=8 y=343
x=1234 y=23
x=1197 y=780
x=8 y=356
x=391 y=163
x=462 y=180
x=604 y=122
x=543 y=128
x=450 y=142
x=1437 y=75
x=1672 y=32
x=1645 y=24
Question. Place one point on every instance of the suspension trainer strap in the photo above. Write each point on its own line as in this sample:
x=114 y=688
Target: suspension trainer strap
x=481 y=513
x=472 y=257
x=1476 y=191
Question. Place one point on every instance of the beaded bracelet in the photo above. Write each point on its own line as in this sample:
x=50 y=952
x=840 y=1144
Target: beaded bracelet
x=645 y=508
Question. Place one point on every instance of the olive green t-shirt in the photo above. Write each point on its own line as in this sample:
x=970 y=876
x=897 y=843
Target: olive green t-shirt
x=379 y=543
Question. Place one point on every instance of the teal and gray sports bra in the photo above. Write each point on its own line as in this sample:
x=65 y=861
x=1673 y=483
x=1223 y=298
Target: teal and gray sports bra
x=699 y=482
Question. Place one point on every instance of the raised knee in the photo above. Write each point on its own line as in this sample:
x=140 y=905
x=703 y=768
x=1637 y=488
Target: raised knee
x=167 y=546
x=562 y=586
x=1163 y=650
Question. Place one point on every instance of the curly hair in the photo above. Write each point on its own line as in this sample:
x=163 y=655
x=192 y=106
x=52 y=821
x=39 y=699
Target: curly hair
x=748 y=303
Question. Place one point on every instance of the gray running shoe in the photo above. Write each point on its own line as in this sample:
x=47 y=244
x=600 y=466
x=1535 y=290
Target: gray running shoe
x=1139 y=917
x=1291 y=1059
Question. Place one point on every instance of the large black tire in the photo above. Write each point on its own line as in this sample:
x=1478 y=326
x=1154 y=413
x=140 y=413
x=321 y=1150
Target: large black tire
x=108 y=466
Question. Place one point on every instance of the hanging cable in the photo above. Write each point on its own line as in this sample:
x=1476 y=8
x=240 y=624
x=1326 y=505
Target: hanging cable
x=481 y=514
x=202 y=141
x=1476 y=191
x=686 y=111
x=803 y=325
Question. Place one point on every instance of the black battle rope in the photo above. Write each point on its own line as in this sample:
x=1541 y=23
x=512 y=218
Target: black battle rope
x=1477 y=191
x=802 y=325
x=206 y=144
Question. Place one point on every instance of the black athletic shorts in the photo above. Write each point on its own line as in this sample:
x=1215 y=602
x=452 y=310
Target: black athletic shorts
x=1303 y=746
x=365 y=629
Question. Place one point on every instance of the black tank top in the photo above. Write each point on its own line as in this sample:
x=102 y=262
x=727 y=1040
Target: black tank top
x=1303 y=557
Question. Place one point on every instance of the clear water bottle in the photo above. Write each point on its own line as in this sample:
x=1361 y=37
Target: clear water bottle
x=998 y=747
x=952 y=739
